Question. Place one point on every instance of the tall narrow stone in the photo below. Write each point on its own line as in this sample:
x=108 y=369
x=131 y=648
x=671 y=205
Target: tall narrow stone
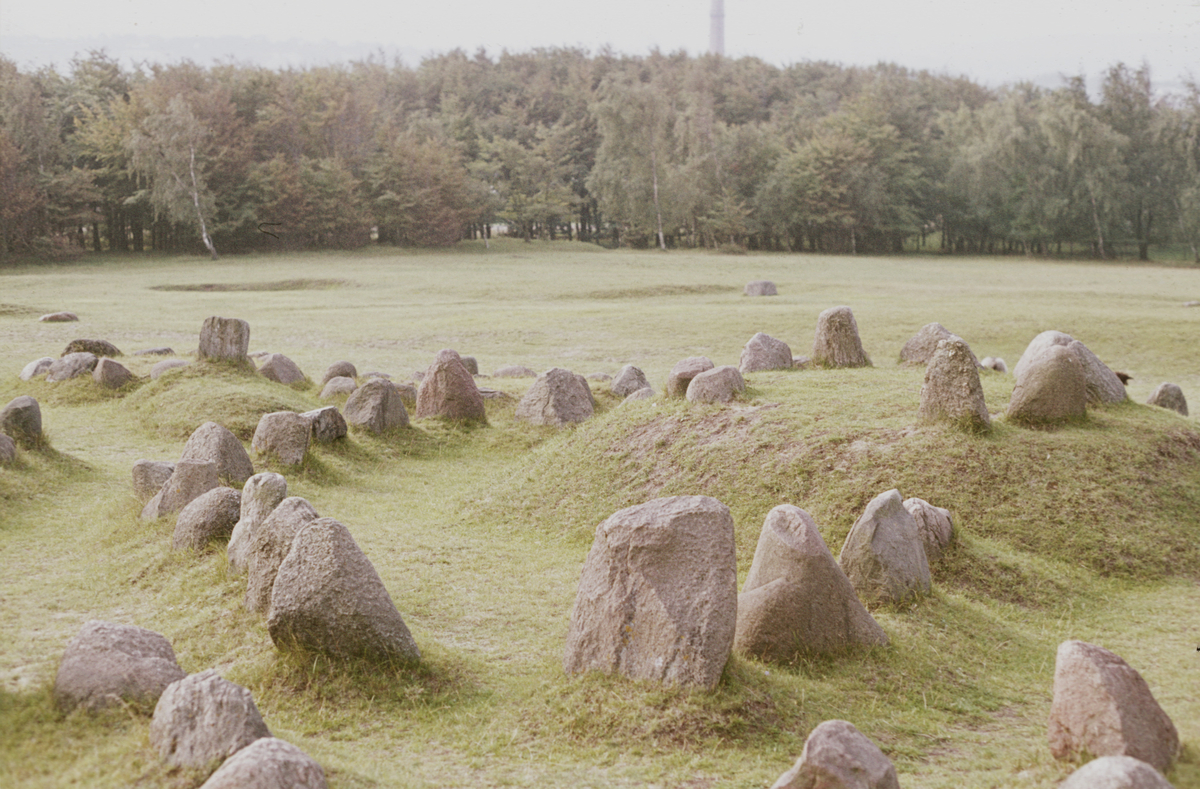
x=224 y=339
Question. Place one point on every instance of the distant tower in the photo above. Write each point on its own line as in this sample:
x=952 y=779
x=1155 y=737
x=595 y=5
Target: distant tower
x=716 y=30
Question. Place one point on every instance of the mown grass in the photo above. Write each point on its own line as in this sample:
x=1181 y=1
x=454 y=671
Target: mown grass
x=1088 y=531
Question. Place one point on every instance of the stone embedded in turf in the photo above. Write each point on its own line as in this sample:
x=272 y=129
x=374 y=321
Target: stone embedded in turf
x=36 y=367
x=107 y=664
x=838 y=756
x=341 y=369
x=448 y=391
x=260 y=496
x=921 y=347
x=268 y=763
x=21 y=420
x=59 y=317
x=1051 y=387
x=71 y=366
x=764 y=352
x=645 y=393
x=217 y=443
x=952 y=391
x=760 y=287
x=628 y=380
x=934 y=524
x=166 y=364
x=8 y=450
x=718 y=385
x=160 y=351
x=96 y=347
x=204 y=719
x=377 y=406
x=1170 y=396
x=189 y=480
x=149 y=476
x=514 y=371
x=837 y=343
x=269 y=544
x=683 y=372
x=111 y=374
x=224 y=339
x=283 y=434
x=1102 y=384
x=557 y=398
x=883 y=555
x=282 y=370
x=338 y=385
x=327 y=424
x=657 y=597
x=1116 y=772
x=205 y=518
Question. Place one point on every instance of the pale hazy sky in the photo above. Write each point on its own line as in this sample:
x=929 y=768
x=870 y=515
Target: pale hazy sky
x=995 y=42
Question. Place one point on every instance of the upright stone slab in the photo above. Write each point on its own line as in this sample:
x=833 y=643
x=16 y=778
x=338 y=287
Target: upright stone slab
x=108 y=664
x=883 y=555
x=218 y=444
x=327 y=598
x=448 y=391
x=796 y=599
x=764 y=352
x=838 y=756
x=718 y=385
x=557 y=398
x=327 y=424
x=376 y=406
x=260 y=496
x=1103 y=707
x=951 y=391
x=190 y=480
x=268 y=763
x=203 y=719
x=284 y=435
x=111 y=374
x=1169 y=396
x=21 y=420
x=36 y=367
x=657 y=598
x=1051 y=388
x=837 y=343
x=269 y=544
x=683 y=372
x=1116 y=772
x=629 y=380
x=934 y=524
x=224 y=339
x=149 y=476
x=71 y=366
x=206 y=518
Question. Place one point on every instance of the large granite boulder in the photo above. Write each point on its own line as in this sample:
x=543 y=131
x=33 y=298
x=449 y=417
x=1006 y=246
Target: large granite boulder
x=934 y=524
x=269 y=544
x=760 y=287
x=629 y=380
x=952 y=392
x=108 y=664
x=342 y=369
x=71 y=366
x=657 y=597
x=1051 y=387
x=284 y=435
x=282 y=370
x=205 y=518
x=921 y=347
x=883 y=555
x=718 y=385
x=1169 y=396
x=377 y=406
x=260 y=496
x=683 y=372
x=268 y=763
x=203 y=719
x=36 y=367
x=149 y=476
x=95 y=347
x=764 y=352
x=1103 y=707
x=557 y=398
x=21 y=420
x=796 y=598
x=837 y=343
x=188 y=481
x=1116 y=772
x=326 y=424
x=838 y=756
x=448 y=390
x=216 y=443
x=224 y=339
x=328 y=599
x=111 y=374
x=1103 y=385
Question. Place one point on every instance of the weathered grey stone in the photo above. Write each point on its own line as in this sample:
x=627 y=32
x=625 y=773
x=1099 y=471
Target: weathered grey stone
x=657 y=597
x=8 y=450
x=339 y=385
x=225 y=339
x=59 y=317
x=111 y=374
x=1103 y=707
x=161 y=351
x=645 y=393
x=837 y=343
x=934 y=524
x=1169 y=396
x=215 y=442
x=1052 y=387
x=36 y=367
x=260 y=497
x=205 y=518
x=269 y=544
x=683 y=372
x=603 y=378
x=107 y=664
x=21 y=420
x=952 y=391
x=96 y=347
x=203 y=719
x=342 y=369
x=149 y=476
x=166 y=364
x=281 y=370
x=268 y=763
x=557 y=398
x=993 y=363
x=801 y=362
x=284 y=434
x=1116 y=772
x=327 y=598
x=377 y=406
x=629 y=380
x=514 y=371
x=883 y=555
x=190 y=480
x=71 y=366
x=838 y=756
x=718 y=385
x=760 y=287
x=921 y=347
x=796 y=598
x=327 y=424
x=764 y=352
x=448 y=391
x=1102 y=384
x=471 y=363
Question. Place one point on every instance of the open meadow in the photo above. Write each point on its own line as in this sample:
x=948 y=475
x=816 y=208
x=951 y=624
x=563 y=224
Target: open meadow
x=1090 y=531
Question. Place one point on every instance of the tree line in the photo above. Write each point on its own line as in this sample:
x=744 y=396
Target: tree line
x=665 y=150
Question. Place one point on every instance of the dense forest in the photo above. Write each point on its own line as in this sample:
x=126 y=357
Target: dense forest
x=663 y=150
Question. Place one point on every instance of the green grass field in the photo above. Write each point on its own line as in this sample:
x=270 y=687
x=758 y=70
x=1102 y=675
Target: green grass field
x=1090 y=531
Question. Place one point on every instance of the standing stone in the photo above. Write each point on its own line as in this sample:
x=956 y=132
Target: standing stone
x=205 y=518
x=1169 y=396
x=21 y=420
x=1102 y=384
x=448 y=390
x=759 y=287
x=1051 y=387
x=1116 y=772
x=215 y=442
x=952 y=391
x=149 y=476
x=1103 y=707
x=261 y=495
x=269 y=544
x=71 y=366
x=683 y=372
x=838 y=756
x=96 y=347
x=934 y=524
x=629 y=380
x=224 y=339
x=764 y=352
x=8 y=450
x=557 y=398
x=327 y=598
x=718 y=385
x=59 y=317
x=111 y=374
x=837 y=343
x=796 y=599
x=920 y=349
x=657 y=597
x=281 y=370
x=883 y=555
x=342 y=369
x=204 y=719
x=327 y=424
x=166 y=364
x=284 y=434
x=268 y=763
x=377 y=406
x=190 y=480
x=107 y=664
x=36 y=367
x=338 y=385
